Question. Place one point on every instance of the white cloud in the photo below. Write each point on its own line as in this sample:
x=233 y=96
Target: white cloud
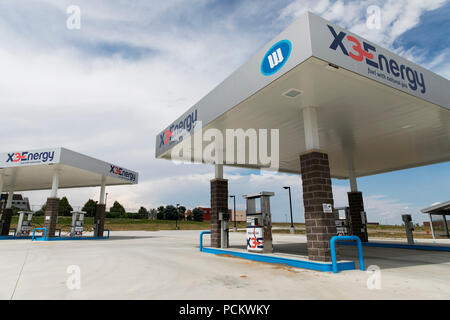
x=79 y=90
x=397 y=16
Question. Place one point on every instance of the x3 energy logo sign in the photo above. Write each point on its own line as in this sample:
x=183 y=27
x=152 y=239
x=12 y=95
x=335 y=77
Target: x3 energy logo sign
x=15 y=157
x=122 y=173
x=178 y=129
x=31 y=157
x=165 y=138
x=255 y=243
x=361 y=51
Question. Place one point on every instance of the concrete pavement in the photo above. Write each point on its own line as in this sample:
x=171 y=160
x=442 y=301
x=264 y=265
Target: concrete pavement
x=168 y=265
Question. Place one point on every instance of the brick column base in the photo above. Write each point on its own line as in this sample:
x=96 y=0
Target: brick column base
x=219 y=203
x=6 y=218
x=356 y=205
x=100 y=219
x=320 y=226
x=51 y=216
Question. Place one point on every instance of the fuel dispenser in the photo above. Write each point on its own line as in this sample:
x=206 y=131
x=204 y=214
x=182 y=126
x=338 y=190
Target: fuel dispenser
x=76 y=228
x=96 y=228
x=341 y=215
x=345 y=223
x=364 y=223
x=224 y=228
x=259 y=224
x=409 y=227
x=24 y=226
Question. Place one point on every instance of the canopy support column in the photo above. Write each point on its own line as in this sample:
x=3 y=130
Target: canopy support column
x=102 y=191
x=311 y=128
x=353 y=182
x=317 y=191
x=52 y=206
x=10 y=199
x=431 y=226
x=218 y=168
x=219 y=203
x=357 y=216
x=100 y=208
x=55 y=184
x=445 y=225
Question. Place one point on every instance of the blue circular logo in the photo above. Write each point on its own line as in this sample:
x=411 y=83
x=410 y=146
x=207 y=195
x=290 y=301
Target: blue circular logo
x=276 y=57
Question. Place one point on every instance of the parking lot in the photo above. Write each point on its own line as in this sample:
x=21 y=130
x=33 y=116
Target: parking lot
x=168 y=265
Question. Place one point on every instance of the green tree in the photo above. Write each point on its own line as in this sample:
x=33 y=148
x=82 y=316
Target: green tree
x=117 y=208
x=197 y=214
x=171 y=212
x=161 y=213
x=143 y=212
x=90 y=208
x=181 y=212
x=65 y=209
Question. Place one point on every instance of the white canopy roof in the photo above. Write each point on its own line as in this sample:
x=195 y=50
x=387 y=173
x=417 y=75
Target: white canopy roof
x=374 y=106
x=34 y=169
x=439 y=208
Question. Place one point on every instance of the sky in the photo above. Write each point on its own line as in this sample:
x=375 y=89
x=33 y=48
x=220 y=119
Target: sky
x=108 y=88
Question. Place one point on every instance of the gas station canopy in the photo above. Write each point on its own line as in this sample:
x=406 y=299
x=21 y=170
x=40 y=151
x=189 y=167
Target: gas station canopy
x=442 y=208
x=374 y=106
x=35 y=169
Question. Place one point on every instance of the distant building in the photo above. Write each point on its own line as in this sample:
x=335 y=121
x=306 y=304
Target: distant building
x=18 y=202
x=206 y=213
x=436 y=223
x=240 y=214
